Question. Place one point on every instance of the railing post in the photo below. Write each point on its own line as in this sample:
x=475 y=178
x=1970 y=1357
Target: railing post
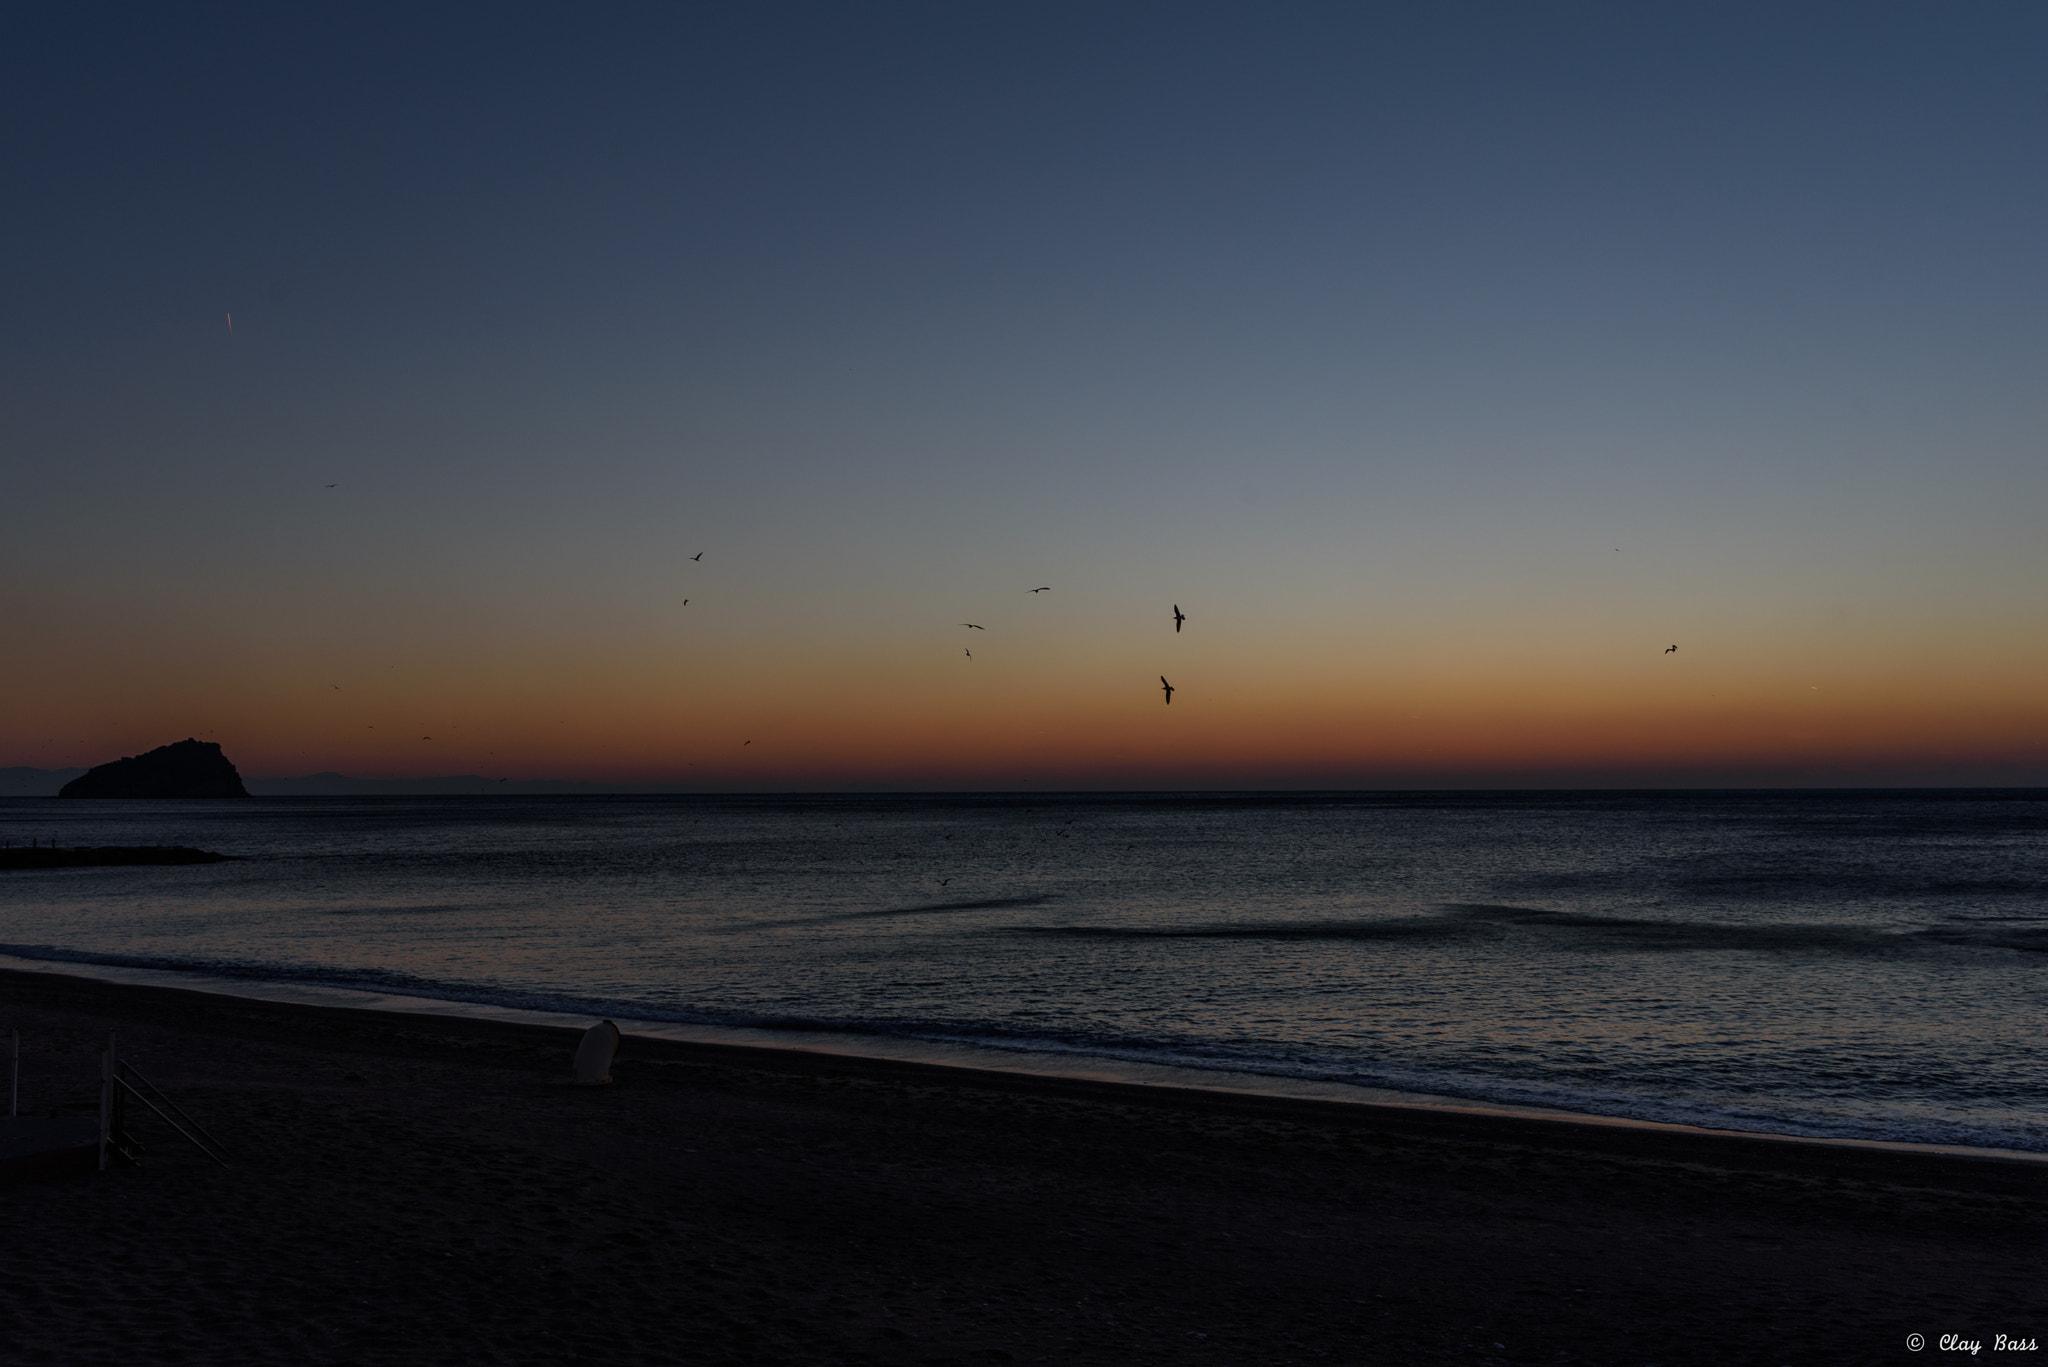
x=106 y=1100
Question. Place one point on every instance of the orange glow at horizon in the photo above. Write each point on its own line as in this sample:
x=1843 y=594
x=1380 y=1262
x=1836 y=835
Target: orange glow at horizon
x=1090 y=717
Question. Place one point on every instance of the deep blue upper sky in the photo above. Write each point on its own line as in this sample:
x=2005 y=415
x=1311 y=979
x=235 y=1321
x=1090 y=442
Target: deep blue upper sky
x=1056 y=187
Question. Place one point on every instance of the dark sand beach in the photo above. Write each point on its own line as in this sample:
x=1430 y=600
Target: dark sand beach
x=420 y=1190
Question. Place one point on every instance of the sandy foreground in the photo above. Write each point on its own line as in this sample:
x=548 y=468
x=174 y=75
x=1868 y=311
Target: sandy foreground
x=410 y=1189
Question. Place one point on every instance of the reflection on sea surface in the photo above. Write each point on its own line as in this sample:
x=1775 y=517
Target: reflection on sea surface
x=1858 y=964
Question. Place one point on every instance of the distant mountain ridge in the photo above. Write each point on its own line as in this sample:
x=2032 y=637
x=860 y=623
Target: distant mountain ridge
x=22 y=781
x=26 y=781
x=331 y=784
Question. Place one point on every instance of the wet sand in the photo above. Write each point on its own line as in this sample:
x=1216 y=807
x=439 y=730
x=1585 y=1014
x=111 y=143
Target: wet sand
x=411 y=1189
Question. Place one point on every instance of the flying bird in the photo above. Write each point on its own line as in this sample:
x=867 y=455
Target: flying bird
x=746 y=742
x=330 y=486
x=1044 y=589
x=1169 y=689
x=1178 y=618
x=1669 y=649
x=686 y=602
x=969 y=654
x=426 y=737
x=698 y=556
x=976 y=625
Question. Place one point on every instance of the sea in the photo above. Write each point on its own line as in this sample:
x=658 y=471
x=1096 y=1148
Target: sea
x=1837 y=964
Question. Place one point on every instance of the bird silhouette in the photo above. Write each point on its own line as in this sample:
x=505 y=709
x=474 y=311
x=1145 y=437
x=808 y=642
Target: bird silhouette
x=969 y=654
x=698 y=556
x=944 y=881
x=976 y=625
x=1669 y=649
x=1178 y=618
x=686 y=602
x=1169 y=689
x=330 y=486
x=1043 y=589
x=746 y=742
x=426 y=737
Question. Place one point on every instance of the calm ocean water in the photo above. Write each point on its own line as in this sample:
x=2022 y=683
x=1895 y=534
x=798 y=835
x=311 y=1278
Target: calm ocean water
x=1866 y=964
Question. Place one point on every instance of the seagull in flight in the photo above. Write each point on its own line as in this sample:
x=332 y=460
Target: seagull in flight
x=1178 y=618
x=1669 y=649
x=1169 y=689
x=698 y=556
x=1047 y=588
x=976 y=625
x=969 y=654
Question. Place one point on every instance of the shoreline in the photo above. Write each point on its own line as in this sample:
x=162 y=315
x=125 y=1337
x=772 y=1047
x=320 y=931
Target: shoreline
x=424 y=1187
x=956 y=1057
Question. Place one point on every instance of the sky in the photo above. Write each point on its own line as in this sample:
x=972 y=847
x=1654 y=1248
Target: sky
x=375 y=375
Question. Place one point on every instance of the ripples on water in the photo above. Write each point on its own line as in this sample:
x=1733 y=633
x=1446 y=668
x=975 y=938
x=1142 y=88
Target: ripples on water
x=1866 y=964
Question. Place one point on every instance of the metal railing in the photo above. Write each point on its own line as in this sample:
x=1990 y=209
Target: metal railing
x=118 y=1079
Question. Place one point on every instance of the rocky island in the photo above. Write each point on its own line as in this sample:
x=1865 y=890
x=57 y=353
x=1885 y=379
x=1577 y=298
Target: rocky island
x=189 y=768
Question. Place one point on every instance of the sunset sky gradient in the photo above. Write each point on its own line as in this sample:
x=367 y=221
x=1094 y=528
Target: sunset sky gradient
x=1445 y=363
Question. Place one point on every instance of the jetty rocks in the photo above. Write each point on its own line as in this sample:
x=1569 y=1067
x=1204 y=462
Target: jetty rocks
x=190 y=768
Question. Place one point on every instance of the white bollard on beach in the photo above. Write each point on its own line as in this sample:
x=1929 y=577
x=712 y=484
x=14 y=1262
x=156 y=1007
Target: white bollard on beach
x=593 y=1066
